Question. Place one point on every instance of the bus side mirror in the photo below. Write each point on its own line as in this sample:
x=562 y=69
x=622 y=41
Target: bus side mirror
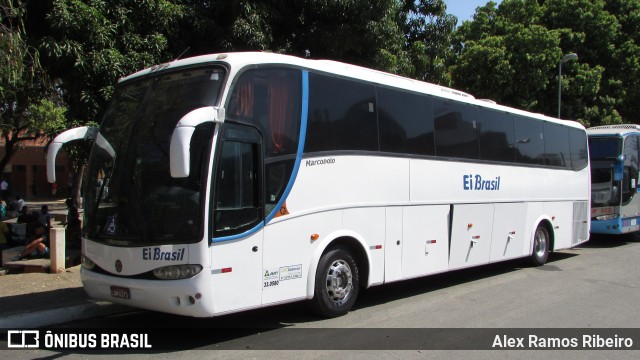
x=179 y=150
x=79 y=133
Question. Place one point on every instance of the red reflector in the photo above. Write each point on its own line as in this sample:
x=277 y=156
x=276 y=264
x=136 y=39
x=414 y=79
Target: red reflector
x=375 y=247
x=226 y=270
x=431 y=241
x=476 y=237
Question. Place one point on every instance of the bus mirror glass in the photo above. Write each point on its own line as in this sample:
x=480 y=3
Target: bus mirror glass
x=179 y=156
x=618 y=171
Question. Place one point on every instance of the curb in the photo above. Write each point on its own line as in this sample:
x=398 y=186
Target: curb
x=56 y=316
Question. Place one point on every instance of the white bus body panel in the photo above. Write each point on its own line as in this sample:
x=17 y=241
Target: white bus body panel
x=167 y=296
x=561 y=214
x=425 y=247
x=287 y=245
x=240 y=288
x=369 y=224
x=509 y=239
x=471 y=235
x=393 y=244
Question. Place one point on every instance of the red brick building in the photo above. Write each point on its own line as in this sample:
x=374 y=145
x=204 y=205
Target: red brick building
x=27 y=171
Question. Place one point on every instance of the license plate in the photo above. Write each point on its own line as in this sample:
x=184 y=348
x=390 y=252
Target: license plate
x=120 y=292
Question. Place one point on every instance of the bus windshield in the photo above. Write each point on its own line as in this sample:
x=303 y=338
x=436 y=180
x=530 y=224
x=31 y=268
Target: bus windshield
x=604 y=148
x=131 y=198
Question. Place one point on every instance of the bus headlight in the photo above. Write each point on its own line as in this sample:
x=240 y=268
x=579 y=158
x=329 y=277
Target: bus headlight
x=607 y=217
x=87 y=263
x=175 y=272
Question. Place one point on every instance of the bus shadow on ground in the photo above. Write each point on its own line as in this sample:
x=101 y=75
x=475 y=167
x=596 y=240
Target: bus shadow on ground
x=600 y=241
x=243 y=330
x=407 y=288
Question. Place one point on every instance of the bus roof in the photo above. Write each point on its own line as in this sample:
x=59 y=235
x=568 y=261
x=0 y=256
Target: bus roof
x=239 y=60
x=618 y=129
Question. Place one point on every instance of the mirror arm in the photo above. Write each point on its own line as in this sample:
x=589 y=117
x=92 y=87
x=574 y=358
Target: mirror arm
x=79 y=133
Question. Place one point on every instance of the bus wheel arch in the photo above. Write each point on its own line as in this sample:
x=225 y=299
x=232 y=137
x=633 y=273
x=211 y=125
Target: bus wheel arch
x=542 y=243
x=340 y=270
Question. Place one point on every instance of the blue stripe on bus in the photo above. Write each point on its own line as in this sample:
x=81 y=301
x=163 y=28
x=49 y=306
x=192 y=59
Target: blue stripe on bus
x=296 y=166
x=303 y=132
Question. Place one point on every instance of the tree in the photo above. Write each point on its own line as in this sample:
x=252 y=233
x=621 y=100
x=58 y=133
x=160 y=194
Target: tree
x=88 y=45
x=429 y=30
x=29 y=103
x=511 y=54
x=362 y=32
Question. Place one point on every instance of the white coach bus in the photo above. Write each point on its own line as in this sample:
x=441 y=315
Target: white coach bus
x=228 y=182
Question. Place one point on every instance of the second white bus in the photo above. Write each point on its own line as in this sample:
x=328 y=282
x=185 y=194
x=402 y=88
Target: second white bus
x=228 y=182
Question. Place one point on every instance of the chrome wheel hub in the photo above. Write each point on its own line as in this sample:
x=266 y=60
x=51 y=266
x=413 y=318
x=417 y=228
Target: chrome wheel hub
x=339 y=281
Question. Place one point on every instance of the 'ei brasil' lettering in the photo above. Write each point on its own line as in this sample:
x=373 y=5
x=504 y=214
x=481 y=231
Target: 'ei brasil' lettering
x=476 y=182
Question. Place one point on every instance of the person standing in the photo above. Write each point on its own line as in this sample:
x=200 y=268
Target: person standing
x=4 y=187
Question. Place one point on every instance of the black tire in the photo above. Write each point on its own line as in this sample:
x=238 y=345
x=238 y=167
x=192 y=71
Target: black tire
x=337 y=284
x=541 y=244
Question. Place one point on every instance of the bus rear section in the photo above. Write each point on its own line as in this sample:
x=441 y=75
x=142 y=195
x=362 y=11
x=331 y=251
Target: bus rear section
x=614 y=153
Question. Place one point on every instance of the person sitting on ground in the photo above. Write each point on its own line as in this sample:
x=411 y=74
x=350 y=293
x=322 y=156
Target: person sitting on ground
x=45 y=217
x=37 y=246
x=18 y=203
x=23 y=217
x=32 y=222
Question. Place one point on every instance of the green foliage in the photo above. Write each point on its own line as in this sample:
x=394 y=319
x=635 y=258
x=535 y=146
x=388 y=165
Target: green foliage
x=516 y=49
x=88 y=45
x=27 y=97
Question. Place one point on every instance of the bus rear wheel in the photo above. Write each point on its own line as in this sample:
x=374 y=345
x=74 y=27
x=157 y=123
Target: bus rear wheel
x=541 y=243
x=337 y=283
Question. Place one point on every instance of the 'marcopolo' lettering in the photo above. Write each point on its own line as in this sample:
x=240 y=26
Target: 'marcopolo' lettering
x=158 y=254
x=320 y=162
x=476 y=182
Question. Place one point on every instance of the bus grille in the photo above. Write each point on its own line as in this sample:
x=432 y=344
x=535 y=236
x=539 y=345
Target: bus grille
x=580 y=222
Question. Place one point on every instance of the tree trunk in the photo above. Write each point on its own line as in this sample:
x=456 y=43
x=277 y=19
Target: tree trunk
x=76 y=199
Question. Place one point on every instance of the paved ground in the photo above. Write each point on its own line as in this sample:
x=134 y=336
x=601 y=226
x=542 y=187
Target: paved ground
x=41 y=299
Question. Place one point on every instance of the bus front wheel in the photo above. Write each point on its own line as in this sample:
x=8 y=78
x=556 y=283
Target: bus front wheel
x=541 y=244
x=337 y=283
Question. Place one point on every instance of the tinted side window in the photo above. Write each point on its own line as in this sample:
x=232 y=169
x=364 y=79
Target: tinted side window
x=456 y=133
x=406 y=122
x=578 y=145
x=529 y=141
x=556 y=145
x=341 y=115
x=496 y=136
x=269 y=99
x=630 y=179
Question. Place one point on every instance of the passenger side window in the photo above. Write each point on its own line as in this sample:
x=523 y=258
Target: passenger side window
x=406 y=122
x=496 y=136
x=578 y=144
x=557 y=151
x=630 y=180
x=456 y=133
x=342 y=115
x=529 y=141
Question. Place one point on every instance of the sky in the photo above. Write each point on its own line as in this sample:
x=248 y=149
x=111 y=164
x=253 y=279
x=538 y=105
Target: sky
x=464 y=9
